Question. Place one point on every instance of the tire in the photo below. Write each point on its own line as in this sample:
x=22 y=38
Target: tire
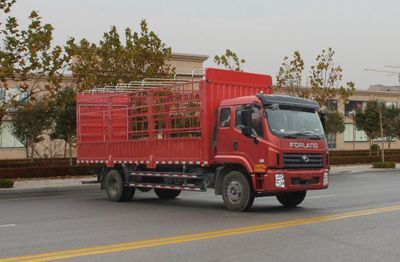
x=237 y=192
x=166 y=193
x=291 y=199
x=115 y=189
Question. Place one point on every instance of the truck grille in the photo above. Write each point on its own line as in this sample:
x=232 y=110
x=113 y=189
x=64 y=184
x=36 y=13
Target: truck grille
x=307 y=161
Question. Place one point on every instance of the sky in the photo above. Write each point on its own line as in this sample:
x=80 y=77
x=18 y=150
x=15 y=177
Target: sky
x=363 y=33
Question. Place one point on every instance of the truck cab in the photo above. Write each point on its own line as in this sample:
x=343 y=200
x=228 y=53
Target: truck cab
x=278 y=140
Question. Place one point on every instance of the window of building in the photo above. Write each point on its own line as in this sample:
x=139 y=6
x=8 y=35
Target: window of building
x=391 y=104
x=353 y=107
x=7 y=139
x=13 y=94
x=255 y=121
x=225 y=117
x=332 y=105
x=2 y=94
x=331 y=140
x=349 y=134
x=385 y=139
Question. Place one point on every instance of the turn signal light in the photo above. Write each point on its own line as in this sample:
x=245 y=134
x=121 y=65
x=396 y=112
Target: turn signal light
x=260 y=168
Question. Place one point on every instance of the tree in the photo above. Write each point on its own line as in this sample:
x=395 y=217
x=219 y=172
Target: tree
x=29 y=59
x=63 y=112
x=396 y=124
x=5 y=5
x=142 y=55
x=230 y=60
x=374 y=120
x=390 y=128
x=325 y=86
x=325 y=79
x=289 y=77
x=334 y=123
x=368 y=121
x=147 y=53
x=29 y=123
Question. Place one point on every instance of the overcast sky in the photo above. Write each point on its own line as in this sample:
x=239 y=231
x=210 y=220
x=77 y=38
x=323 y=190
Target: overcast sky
x=364 y=33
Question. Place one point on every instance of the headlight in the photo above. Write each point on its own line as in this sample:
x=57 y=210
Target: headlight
x=279 y=180
x=326 y=178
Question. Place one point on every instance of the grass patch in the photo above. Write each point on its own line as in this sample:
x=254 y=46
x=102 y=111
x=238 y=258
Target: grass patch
x=387 y=164
x=6 y=183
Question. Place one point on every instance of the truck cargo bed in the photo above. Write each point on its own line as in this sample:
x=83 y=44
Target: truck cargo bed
x=166 y=124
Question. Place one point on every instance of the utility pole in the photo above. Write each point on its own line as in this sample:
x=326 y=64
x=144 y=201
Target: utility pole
x=381 y=126
x=352 y=115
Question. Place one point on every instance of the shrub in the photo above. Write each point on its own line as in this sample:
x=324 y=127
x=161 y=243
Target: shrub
x=6 y=183
x=375 y=147
x=387 y=164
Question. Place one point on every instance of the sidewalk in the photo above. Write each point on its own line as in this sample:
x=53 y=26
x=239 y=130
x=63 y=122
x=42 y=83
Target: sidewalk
x=50 y=185
x=344 y=169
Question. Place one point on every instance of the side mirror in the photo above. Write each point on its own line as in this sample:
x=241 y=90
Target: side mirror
x=323 y=118
x=246 y=131
x=245 y=116
x=274 y=107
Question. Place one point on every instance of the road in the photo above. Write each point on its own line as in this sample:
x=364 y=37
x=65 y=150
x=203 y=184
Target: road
x=356 y=219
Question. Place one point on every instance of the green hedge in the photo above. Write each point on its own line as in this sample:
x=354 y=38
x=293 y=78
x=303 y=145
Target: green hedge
x=347 y=160
x=339 y=153
x=386 y=164
x=6 y=183
x=55 y=171
x=36 y=163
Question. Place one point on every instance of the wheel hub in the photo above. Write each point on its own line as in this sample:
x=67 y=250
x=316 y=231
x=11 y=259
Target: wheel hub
x=113 y=186
x=234 y=191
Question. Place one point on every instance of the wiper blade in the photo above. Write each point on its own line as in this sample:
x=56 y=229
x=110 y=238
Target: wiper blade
x=308 y=134
x=290 y=136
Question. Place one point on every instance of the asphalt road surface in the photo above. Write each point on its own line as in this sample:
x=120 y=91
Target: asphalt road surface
x=356 y=219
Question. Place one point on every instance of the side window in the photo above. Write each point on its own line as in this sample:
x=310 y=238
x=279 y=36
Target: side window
x=238 y=118
x=255 y=121
x=225 y=117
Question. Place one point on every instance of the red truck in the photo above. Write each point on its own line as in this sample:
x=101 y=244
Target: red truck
x=226 y=132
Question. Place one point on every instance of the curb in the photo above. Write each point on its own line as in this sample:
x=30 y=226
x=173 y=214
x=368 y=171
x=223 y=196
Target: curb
x=5 y=191
x=377 y=170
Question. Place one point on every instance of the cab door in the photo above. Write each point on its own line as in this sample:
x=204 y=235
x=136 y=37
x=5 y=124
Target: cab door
x=234 y=145
x=253 y=148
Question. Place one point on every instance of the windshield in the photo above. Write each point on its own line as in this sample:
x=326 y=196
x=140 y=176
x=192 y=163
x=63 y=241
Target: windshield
x=295 y=123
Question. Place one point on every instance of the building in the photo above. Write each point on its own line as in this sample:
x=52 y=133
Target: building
x=185 y=64
x=384 y=88
x=356 y=139
x=11 y=148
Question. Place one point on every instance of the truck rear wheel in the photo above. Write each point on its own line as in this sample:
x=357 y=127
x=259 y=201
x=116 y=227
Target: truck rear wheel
x=291 y=199
x=116 y=191
x=166 y=193
x=237 y=192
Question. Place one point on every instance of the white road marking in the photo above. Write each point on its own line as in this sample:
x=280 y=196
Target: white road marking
x=8 y=225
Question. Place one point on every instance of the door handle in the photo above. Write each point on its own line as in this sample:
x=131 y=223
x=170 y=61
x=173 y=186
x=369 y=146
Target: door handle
x=235 y=145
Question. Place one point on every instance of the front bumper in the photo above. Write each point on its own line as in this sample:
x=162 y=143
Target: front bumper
x=284 y=180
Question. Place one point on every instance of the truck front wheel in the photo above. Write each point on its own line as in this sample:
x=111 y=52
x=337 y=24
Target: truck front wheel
x=166 y=193
x=116 y=191
x=237 y=192
x=291 y=199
